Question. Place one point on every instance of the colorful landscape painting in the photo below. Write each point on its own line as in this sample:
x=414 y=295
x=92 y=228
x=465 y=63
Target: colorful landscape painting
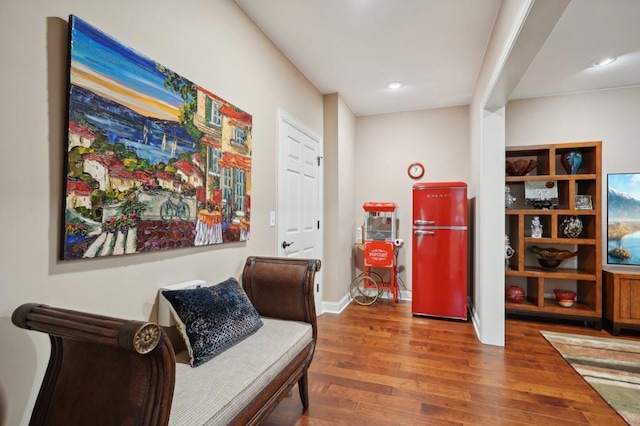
x=154 y=161
x=623 y=218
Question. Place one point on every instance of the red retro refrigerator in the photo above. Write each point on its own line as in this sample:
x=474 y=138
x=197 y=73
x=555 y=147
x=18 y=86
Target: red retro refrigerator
x=439 y=263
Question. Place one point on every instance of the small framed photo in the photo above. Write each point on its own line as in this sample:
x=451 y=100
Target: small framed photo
x=583 y=202
x=541 y=195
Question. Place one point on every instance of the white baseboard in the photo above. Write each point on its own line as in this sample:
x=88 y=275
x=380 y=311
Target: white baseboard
x=404 y=295
x=474 y=319
x=338 y=307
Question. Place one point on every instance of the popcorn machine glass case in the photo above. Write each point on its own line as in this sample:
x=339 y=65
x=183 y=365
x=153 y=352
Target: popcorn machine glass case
x=380 y=221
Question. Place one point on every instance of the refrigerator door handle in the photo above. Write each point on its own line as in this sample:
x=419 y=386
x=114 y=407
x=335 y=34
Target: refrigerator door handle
x=424 y=233
x=424 y=222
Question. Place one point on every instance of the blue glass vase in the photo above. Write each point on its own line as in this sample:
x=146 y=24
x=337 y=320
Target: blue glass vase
x=571 y=161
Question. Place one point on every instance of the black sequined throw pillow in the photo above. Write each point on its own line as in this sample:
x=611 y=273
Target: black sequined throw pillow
x=212 y=319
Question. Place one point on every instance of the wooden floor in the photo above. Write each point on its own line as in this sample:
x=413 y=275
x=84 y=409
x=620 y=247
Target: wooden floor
x=379 y=365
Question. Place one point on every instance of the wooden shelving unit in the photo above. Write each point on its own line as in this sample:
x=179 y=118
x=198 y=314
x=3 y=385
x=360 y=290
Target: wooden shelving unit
x=582 y=273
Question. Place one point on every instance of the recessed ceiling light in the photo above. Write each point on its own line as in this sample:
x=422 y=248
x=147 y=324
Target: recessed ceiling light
x=394 y=85
x=603 y=62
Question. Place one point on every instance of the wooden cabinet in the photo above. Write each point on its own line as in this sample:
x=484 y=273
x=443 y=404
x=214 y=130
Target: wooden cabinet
x=621 y=298
x=582 y=273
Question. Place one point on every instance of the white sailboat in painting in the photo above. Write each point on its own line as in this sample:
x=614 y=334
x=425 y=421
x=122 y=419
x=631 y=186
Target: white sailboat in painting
x=164 y=142
x=145 y=135
x=174 y=145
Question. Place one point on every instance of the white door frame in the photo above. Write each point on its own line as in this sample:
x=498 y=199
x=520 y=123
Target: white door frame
x=284 y=118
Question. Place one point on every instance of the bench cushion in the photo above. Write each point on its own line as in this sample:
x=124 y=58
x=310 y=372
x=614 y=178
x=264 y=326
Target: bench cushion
x=218 y=390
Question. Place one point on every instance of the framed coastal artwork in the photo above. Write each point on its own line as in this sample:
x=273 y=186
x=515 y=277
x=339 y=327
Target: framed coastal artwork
x=623 y=218
x=153 y=160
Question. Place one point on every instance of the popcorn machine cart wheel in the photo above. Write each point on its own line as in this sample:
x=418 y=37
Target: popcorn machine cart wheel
x=379 y=253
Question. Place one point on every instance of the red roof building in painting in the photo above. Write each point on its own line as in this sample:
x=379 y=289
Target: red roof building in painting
x=189 y=173
x=80 y=136
x=228 y=141
x=167 y=181
x=197 y=160
x=99 y=166
x=78 y=194
x=122 y=179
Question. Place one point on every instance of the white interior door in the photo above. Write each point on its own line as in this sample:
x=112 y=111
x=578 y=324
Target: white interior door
x=299 y=200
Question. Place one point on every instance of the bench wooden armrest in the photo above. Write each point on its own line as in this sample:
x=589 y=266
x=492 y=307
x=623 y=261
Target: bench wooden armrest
x=282 y=288
x=97 y=362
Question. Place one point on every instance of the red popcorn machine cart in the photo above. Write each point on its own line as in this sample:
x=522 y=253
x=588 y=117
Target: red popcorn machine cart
x=379 y=245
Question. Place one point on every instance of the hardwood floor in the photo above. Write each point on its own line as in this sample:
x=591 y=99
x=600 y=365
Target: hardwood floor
x=379 y=365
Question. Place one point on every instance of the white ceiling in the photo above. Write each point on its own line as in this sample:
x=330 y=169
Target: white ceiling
x=435 y=47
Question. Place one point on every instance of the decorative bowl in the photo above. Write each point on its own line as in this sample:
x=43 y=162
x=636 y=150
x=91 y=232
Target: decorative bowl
x=550 y=258
x=551 y=253
x=549 y=264
x=515 y=294
x=565 y=297
x=520 y=167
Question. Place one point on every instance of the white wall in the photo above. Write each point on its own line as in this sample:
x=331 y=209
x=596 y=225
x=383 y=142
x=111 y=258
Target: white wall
x=386 y=144
x=487 y=175
x=339 y=217
x=610 y=116
x=347 y=216
x=212 y=43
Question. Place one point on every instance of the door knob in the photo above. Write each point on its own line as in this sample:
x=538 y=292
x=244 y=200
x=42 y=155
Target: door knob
x=285 y=244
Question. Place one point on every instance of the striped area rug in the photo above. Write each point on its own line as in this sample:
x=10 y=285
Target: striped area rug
x=610 y=366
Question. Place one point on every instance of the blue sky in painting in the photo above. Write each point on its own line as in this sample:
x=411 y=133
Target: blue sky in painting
x=112 y=59
x=625 y=182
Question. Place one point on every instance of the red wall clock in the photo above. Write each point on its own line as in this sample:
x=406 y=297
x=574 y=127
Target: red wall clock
x=415 y=170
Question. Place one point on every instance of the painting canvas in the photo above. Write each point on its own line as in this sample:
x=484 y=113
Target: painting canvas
x=623 y=218
x=153 y=161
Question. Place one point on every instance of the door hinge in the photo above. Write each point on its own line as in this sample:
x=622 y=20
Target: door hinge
x=318 y=224
x=319 y=158
x=317 y=287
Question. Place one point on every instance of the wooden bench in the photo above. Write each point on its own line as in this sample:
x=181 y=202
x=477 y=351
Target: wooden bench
x=110 y=371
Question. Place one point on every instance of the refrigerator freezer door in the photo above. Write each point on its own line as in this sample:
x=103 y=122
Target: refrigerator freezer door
x=439 y=206
x=439 y=283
